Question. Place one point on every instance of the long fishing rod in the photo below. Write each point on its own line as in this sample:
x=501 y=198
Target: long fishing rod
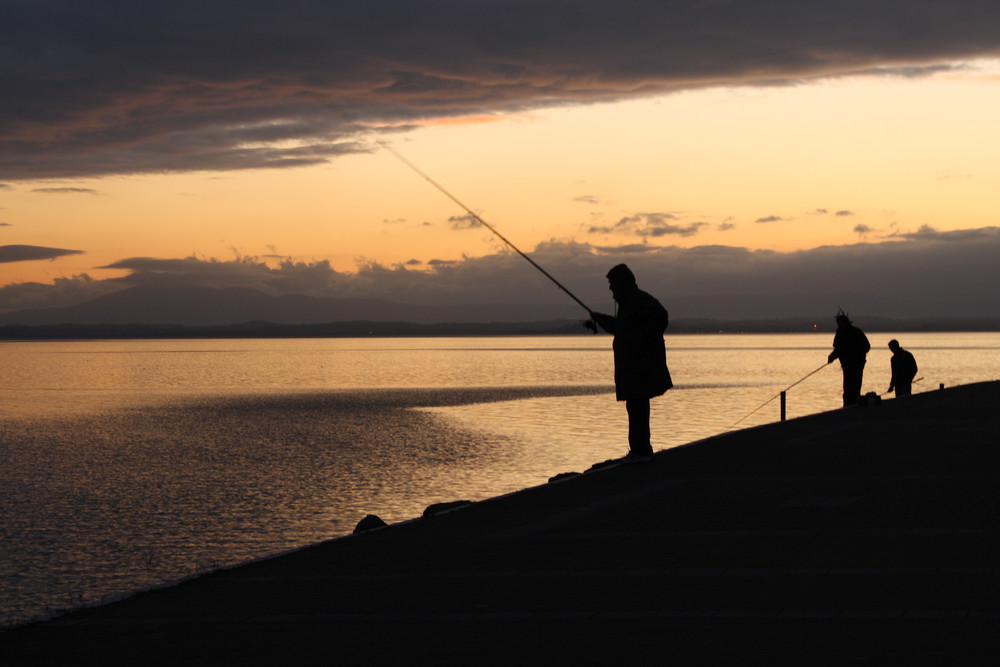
x=914 y=382
x=485 y=224
x=803 y=379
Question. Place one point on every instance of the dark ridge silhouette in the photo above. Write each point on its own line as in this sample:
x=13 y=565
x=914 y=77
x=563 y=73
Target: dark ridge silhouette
x=206 y=306
x=370 y=329
x=361 y=329
x=823 y=323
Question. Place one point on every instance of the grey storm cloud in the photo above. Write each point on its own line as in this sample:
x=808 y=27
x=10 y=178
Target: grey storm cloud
x=928 y=233
x=25 y=253
x=61 y=292
x=105 y=87
x=695 y=281
x=288 y=277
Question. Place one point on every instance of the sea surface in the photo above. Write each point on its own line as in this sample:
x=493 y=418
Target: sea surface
x=126 y=465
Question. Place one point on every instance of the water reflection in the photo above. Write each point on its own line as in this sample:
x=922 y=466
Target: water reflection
x=128 y=463
x=113 y=502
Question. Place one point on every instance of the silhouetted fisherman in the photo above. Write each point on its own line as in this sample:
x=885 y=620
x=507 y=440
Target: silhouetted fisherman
x=904 y=369
x=640 y=356
x=850 y=345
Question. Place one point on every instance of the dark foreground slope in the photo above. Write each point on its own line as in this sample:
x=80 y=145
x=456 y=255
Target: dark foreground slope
x=860 y=536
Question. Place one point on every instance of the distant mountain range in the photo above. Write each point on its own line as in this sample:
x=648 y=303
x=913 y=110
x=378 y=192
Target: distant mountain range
x=188 y=311
x=206 y=306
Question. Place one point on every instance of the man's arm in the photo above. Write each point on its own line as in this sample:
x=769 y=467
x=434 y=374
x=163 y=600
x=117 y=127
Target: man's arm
x=607 y=322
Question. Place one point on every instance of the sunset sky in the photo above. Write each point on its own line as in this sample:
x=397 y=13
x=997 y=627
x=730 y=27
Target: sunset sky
x=722 y=146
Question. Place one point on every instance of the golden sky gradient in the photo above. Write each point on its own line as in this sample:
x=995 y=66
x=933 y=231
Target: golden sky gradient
x=780 y=148
x=828 y=163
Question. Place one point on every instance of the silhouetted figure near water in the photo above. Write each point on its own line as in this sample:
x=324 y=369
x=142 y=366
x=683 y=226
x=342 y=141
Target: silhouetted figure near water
x=850 y=345
x=640 y=356
x=904 y=369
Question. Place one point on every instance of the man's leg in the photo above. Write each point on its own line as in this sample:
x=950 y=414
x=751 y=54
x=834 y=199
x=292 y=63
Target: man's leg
x=852 y=384
x=638 y=426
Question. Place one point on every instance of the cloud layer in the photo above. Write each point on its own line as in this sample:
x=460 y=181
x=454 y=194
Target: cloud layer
x=110 y=87
x=916 y=275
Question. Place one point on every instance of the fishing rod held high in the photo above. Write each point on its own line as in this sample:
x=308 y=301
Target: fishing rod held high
x=485 y=224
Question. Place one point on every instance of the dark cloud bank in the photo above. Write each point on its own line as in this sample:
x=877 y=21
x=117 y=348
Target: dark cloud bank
x=112 y=87
x=25 y=253
x=927 y=274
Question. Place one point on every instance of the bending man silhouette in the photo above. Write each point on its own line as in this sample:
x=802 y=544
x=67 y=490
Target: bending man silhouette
x=640 y=356
x=851 y=346
x=904 y=369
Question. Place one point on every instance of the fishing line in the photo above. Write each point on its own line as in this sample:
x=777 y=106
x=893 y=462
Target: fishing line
x=779 y=394
x=478 y=219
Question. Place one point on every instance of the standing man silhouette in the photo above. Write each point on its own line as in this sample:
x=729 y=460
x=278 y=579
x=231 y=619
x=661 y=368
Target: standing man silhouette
x=640 y=356
x=904 y=369
x=851 y=346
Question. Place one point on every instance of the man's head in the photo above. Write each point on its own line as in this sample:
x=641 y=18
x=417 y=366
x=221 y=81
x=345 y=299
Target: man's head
x=894 y=345
x=621 y=281
x=842 y=319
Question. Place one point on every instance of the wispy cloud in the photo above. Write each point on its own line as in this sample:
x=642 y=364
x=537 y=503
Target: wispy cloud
x=769 y=218
x=65 y=191
x=27 y=253
x=232 y=85
x=950 y=175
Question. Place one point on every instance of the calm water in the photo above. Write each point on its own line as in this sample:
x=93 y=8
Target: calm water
x=128 y=464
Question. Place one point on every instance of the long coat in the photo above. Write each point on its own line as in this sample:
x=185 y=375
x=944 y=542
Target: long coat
x=851 y=346
x=640 y=354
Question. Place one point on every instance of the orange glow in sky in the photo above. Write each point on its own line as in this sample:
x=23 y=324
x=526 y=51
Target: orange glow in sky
x=782 y=168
